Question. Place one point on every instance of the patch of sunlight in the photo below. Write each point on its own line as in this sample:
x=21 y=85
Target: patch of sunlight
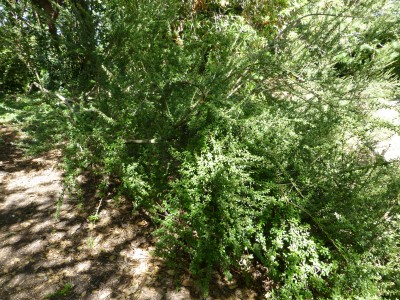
x=41 y=226
x=140 y=254
x=141 y=259
x=388 y=141
x=8 y=117
x=83 y=266
x=389 y=148
x=5 y=254
x=34 y=247
x=388 y=115
x=29 y=179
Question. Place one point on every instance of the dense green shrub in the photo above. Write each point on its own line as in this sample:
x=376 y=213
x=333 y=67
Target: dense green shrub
x=245 y=127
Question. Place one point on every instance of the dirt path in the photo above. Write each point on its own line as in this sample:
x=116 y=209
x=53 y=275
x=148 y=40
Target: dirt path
x=72 y=258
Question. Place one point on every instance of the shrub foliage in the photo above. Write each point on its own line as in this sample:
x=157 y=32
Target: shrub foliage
x=246 y=128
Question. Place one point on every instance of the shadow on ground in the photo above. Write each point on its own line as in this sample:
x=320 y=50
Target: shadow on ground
x=42 y=257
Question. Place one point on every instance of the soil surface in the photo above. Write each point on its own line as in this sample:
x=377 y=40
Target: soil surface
x=43 y=256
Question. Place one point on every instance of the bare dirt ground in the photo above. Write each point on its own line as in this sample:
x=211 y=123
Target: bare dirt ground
x=42 y=257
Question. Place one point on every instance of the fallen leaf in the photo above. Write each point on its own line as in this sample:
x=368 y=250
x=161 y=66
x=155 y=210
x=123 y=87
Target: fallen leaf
x=187 y=282
x=143 y=223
